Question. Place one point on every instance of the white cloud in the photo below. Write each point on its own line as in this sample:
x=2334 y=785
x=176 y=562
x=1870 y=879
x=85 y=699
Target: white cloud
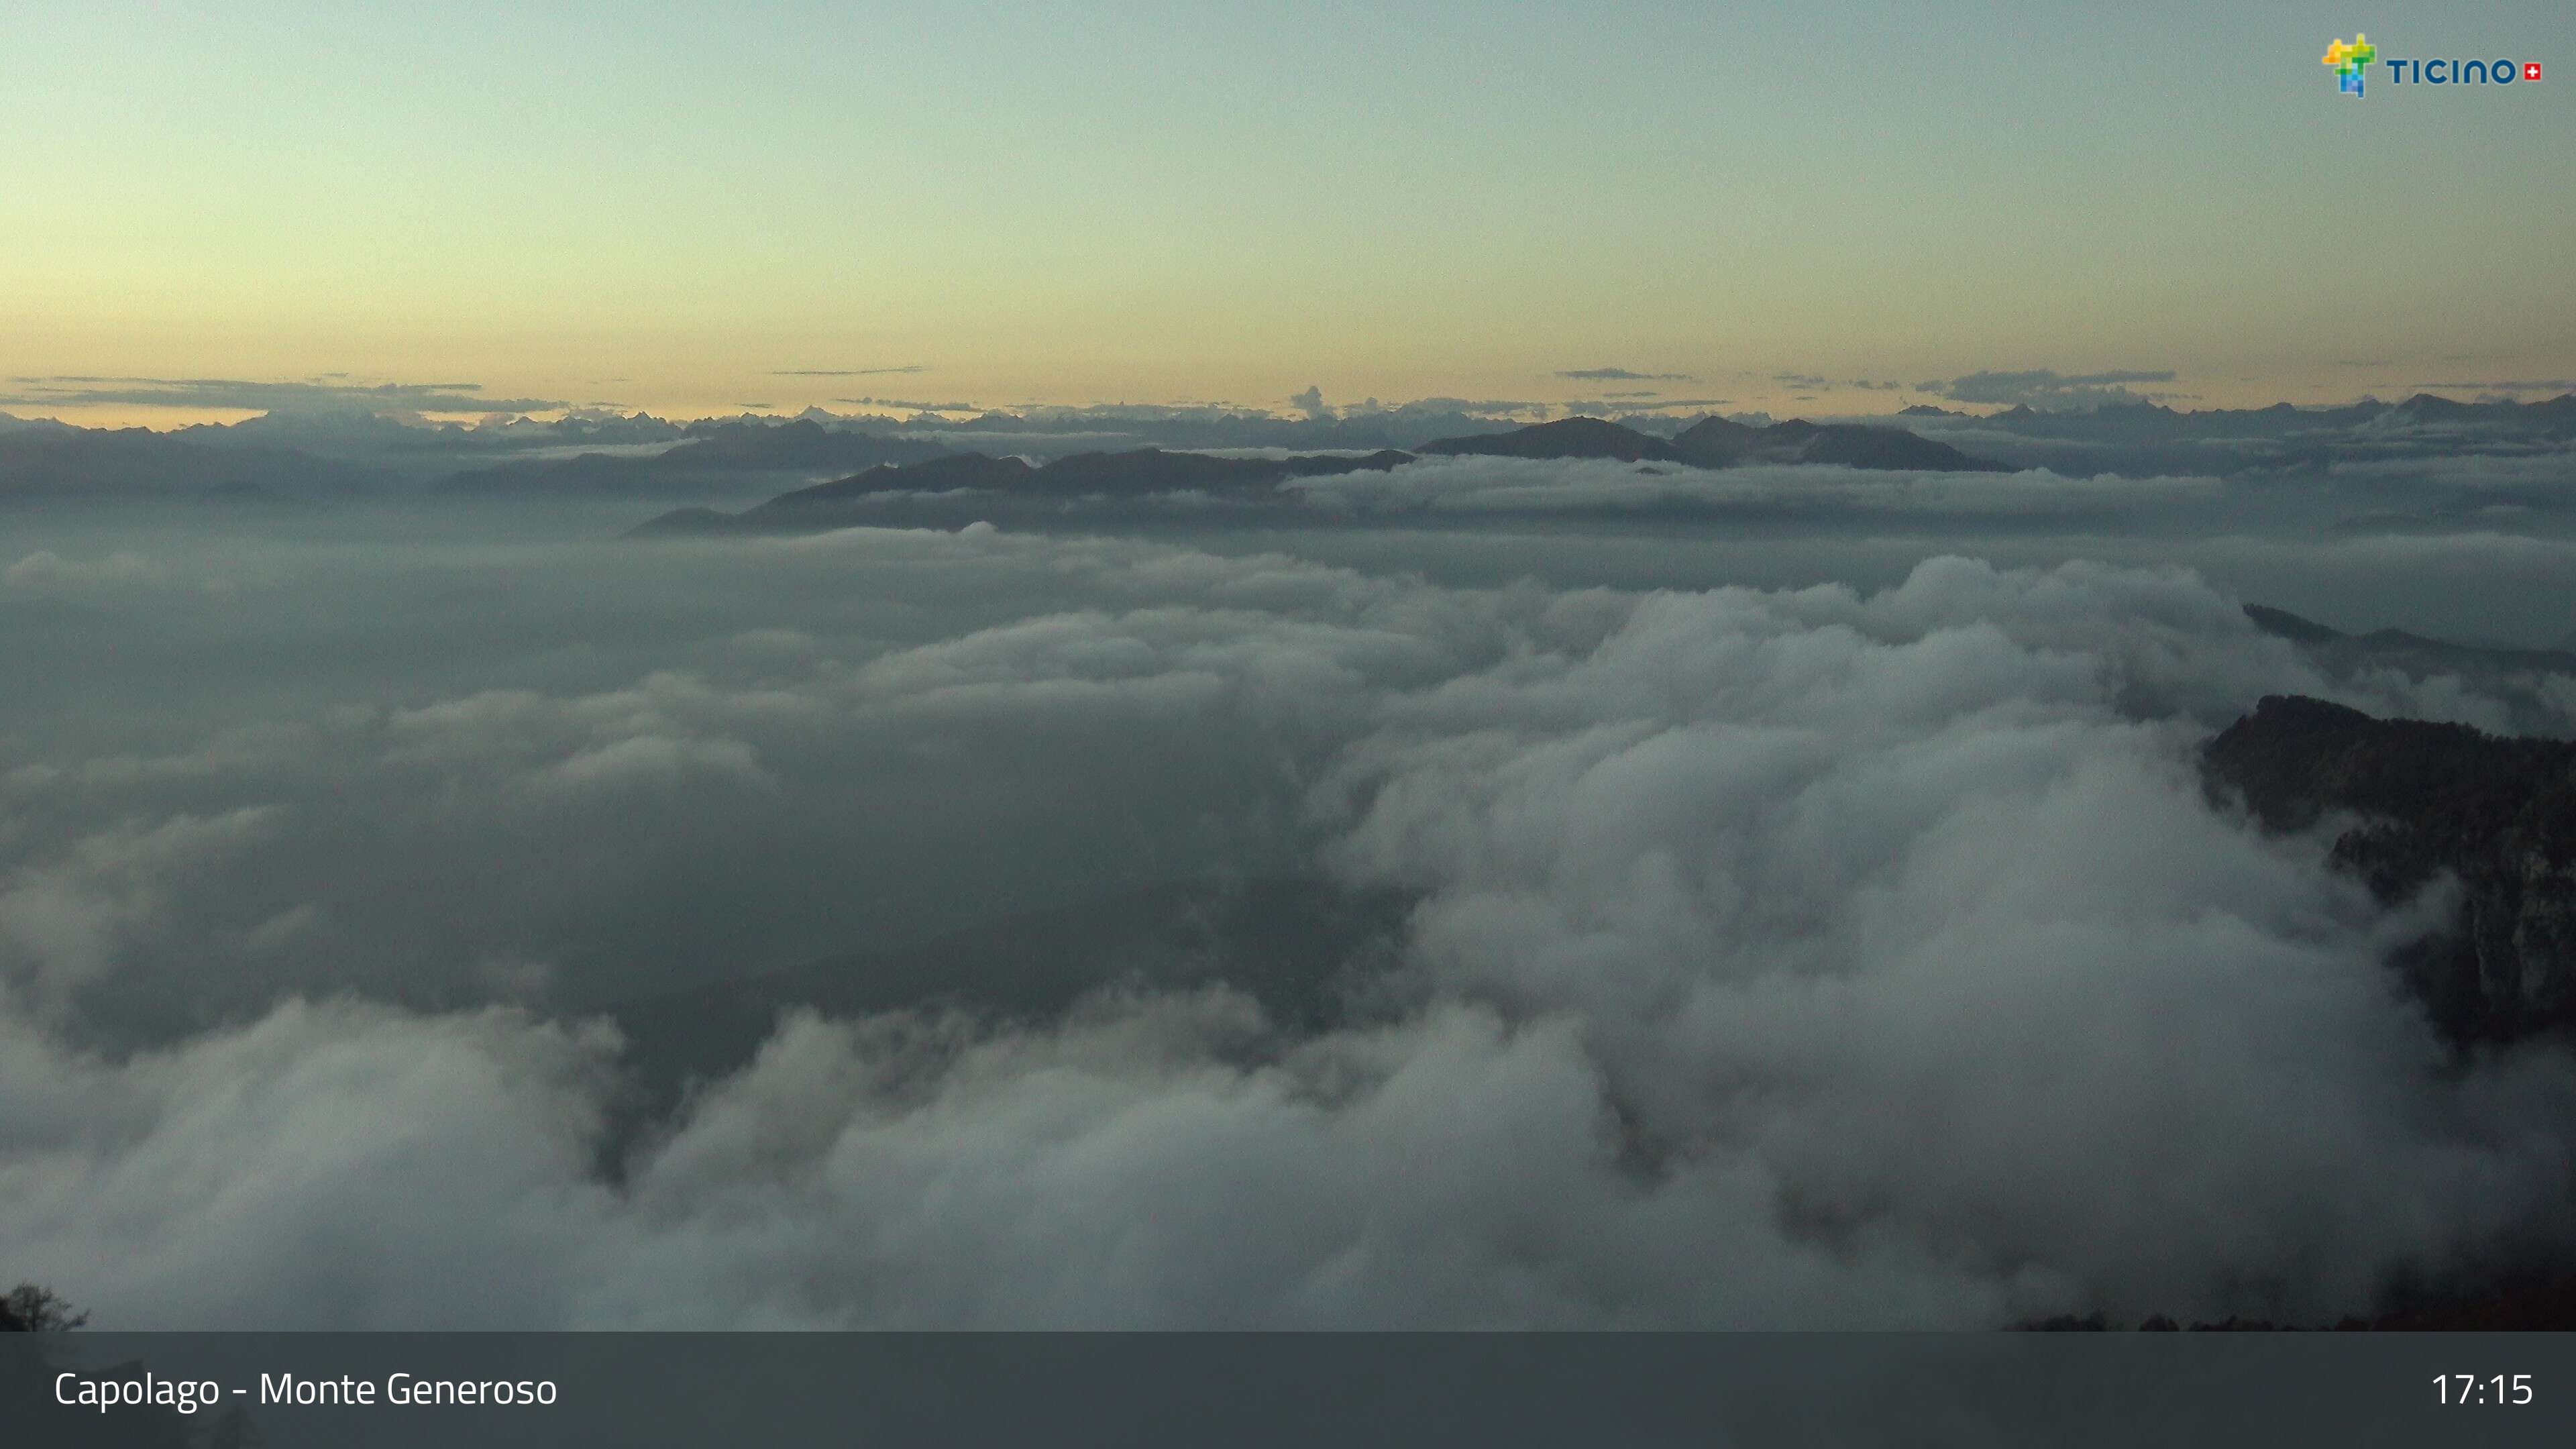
x=45 y=572
x=652 y=759
x=63 y=921
x=1784 y=957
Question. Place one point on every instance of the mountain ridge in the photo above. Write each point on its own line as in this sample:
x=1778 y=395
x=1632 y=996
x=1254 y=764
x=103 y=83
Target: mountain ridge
x=1142 y=472
x=2428 y=802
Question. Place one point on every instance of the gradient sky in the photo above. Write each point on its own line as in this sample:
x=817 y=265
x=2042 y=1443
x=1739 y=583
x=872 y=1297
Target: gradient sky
x=671 y=206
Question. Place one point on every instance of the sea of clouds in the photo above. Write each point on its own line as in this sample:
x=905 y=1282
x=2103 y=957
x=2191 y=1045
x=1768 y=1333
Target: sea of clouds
x=1820 y=955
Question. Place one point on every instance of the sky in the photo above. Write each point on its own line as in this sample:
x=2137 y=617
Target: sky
x=699 y=209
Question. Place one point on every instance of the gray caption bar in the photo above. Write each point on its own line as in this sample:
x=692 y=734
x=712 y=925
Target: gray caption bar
x=1140 y=1391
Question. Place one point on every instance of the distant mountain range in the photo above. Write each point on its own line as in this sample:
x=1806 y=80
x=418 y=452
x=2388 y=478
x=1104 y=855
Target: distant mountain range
x=2554 y=418
x=2141 y=439
x=328 y=452
x=1565 y=438
x=1712 y=443
x=710 y=456
x=41 y=463
x=2412 y=653
x=1719 y=443
x=1141 y=473
x=352 y=432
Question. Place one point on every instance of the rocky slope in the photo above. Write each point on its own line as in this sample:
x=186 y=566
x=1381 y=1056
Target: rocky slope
x=2415 y=804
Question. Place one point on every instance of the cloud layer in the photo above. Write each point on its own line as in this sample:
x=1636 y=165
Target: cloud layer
x=399 y=399
x=2048 y=388
x=1621 y=374
x=1784 y=957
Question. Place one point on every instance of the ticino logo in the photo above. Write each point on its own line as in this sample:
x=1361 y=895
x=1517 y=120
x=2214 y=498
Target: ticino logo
x=2351 y=65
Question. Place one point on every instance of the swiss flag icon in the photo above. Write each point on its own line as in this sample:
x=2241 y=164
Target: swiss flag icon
x=2531 y=70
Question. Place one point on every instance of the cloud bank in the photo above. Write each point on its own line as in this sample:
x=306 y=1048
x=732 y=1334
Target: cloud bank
x=399 y=399
x=1621 y=374
x=1789 y=957
x=2046 y=388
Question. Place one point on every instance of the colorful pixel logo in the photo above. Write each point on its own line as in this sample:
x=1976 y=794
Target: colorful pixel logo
x=2351 y=62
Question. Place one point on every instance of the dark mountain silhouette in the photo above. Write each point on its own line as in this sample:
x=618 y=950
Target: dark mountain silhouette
x=1152 y=470
x=1564 y=438
x=1147 y=472
x=2413 y=653
x=939 y=475
x=715 y=455
x=315 y=452
x=2154 y=421
x=2281 y=623
x=1365 y=428
x=87 y=464
x=2557 y=416
x=1139 y=473
x=1876 y=447
x=1717 y=443
x=2426 y=408
x=2428 y=801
